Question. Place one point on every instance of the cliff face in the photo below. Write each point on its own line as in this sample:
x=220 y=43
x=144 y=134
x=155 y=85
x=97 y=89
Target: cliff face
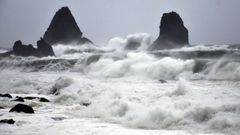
x=64 y=29
x=173 y=33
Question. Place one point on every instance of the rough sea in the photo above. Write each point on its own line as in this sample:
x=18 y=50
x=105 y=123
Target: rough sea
x=106 y=90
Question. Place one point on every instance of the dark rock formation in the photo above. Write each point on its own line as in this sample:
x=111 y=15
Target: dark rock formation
x=86 y=104
x=43 y=49
x=7 y=121
x=173 y=33
x=64 y=29
x=19 y=99
x=1 y=107
x=30 y=98
x=24 y=50
x=42 y=99
x=6 y=95
x=22 y=108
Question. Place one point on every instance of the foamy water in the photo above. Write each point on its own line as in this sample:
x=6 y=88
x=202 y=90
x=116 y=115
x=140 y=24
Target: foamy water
x=126 y=90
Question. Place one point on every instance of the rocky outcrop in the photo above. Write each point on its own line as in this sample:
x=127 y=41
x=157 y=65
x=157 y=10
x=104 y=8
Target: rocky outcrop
x=64 y=29
x=7 y=121
x=173 y=33
x=24 y=50
x=41 y=99
x=43 y=49
x=5 y=95
x=22 y=108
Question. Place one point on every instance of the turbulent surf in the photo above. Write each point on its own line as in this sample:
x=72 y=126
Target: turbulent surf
x=191 y=90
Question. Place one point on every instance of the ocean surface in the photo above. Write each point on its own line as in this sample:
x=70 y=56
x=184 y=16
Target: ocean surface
x=107 y=90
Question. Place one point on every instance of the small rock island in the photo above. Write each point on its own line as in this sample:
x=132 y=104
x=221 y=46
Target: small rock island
x=63 y=29
x=173 y=33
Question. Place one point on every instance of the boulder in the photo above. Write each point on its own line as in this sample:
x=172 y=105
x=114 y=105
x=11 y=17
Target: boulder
x=42 y=99
x=30 y=98
x=6 y=95
x=64 y=29
x=86 y=104
x=173 y=33
x=7 y=121
x=22 y=108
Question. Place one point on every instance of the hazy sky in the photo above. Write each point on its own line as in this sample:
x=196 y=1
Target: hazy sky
x=208 y=21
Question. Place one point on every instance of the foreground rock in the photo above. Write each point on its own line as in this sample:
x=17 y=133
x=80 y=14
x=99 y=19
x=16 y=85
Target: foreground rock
x=22 y=108
x=64 y=29
x=43 y=49
x=173 y=33
x=7 y=121
x=5 y=95
x=41 y=99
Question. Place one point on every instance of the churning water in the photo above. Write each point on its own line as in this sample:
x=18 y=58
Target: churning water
x=192 y=90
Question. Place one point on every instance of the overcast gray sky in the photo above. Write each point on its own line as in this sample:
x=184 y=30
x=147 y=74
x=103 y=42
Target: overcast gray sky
x=208 y=21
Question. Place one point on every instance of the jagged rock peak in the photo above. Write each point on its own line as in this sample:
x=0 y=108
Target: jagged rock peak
x=64 y=29
x=173 y=33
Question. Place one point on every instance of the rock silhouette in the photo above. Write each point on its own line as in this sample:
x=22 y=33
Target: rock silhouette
x=22 y=108
x=43 y=49
x=64 y=29
x=173 y=33
x=5 y=95
x=7 y=121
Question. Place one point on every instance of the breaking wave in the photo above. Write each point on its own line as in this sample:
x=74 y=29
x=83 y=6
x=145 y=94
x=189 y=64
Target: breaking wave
x=198 y=62
x=191 y=88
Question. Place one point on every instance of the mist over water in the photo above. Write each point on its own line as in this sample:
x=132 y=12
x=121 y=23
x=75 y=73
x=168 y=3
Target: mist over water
x=192 y=89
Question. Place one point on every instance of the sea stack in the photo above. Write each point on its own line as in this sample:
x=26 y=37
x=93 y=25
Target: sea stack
x=63 y=29
x=173 y=33
x=43 y=49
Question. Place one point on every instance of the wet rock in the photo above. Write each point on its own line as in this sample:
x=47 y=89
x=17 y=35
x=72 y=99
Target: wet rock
x=64 y=29
x=43 y=49
x=7 y=121
x=173 y=33
x=42 y=99
x=6 y=95
x=19 y=99
x=24 y=50
x=22 y=108
x=85 y=104
x=30 y=98
x=1 y=107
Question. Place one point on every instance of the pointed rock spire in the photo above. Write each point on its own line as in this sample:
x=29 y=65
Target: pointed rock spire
x=173 y=33
x=64 y=29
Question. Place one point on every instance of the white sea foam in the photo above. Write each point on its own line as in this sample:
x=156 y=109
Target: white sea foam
x=98 y=88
